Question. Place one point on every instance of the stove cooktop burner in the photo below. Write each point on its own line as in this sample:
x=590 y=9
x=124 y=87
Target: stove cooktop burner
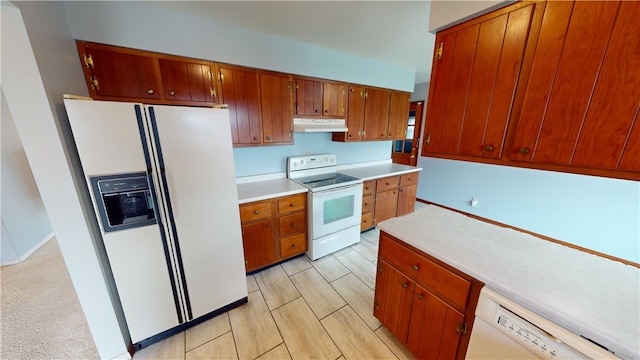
x=321 y=181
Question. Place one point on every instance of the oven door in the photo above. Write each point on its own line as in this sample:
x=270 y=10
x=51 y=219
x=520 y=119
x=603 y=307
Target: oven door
x=335 y=209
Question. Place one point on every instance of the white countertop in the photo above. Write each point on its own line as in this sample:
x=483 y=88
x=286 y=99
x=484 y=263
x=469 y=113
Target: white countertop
x=377 y=171
x=267 y=189
x=587 y=294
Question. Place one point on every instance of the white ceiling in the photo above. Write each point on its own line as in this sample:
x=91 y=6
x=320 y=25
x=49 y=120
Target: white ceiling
x=392 y=32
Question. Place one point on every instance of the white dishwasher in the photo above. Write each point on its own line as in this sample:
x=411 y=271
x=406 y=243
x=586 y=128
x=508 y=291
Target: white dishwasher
x=506 y=330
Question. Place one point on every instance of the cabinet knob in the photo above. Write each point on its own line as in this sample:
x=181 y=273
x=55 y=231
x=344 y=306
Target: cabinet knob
x=292 y=204
x=316 y=111
x=150 y=91
x=405 y=285
x=269 y=225
x=488 y=148
x=172 y=92
x=255 y=138
x=256 y=212
x=293 y=224
x=268 y=137
x=524 y=150
x=326 y=111
x=293 y=245
x=416 y=267
x=420 y=296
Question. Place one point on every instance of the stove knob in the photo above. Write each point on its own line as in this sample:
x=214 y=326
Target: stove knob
x=302 y=162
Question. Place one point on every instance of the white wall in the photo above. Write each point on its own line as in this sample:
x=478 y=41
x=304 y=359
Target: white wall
x=445 y=14
x=24 y=220
x=143 y=26
x=594 y=212
x=33 y=114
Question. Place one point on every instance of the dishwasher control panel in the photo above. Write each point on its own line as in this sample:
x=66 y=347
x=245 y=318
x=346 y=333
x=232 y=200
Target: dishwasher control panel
x=530 y=336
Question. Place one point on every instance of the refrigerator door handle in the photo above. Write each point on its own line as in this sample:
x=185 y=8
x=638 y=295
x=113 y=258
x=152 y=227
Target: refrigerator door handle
x=159 y=215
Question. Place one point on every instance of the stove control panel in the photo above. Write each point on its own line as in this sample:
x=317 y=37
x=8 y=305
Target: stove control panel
x=306 y=162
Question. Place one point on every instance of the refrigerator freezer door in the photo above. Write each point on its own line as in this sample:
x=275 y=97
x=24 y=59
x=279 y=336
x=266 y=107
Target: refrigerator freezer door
x=196 y=150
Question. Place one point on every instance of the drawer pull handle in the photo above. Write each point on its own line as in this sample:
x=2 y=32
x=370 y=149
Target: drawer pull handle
x=524 y=150
x=416 y=267
x=293 y=224
x=292 y=204
x=256 y=212
x=293 y=245
x=172 y=92
x=405 y=285
x=150 y=91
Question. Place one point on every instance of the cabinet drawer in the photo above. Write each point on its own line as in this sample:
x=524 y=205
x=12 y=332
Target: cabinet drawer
x=293 y=245
x=387 y=183
x=292 y=203
x=255 y=211
x=409 y=179
x=368 y=187
x=432 y=276
x=366 y=222
x=292 y=224
x=367 y=204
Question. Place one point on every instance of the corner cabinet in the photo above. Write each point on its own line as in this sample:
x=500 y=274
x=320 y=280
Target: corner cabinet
x=273 y=230
x=388 y=197
x=427 y=305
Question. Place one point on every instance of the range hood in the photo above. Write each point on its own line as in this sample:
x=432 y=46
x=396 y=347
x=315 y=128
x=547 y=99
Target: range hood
x=319 y=125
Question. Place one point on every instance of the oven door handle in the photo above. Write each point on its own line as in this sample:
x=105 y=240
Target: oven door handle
x=335 y=190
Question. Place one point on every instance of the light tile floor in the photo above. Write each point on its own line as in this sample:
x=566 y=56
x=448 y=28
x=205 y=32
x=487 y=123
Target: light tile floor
x=300 y=309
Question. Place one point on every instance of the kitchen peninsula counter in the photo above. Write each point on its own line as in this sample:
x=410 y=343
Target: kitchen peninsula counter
x=267 y=189
x=371 y=172
x=589 y=295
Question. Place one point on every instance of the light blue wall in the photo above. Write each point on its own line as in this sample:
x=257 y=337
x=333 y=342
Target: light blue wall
x=143 y=26
x=272 y=159
x=594 y=212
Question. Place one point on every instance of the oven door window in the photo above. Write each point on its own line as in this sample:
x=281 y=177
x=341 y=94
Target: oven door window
x=338 y=209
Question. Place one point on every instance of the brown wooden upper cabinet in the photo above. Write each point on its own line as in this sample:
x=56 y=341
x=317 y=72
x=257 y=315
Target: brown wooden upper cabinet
x=113 y=73
x=581 y=102
x=260 y=105
x=188 y=81
x=123 y=74
x=475 y=70
x=240 y=90
x=375 y=114
x=276 y=102
x=320 y=98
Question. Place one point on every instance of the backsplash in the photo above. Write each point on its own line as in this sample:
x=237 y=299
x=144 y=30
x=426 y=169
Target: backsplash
x=258 y=160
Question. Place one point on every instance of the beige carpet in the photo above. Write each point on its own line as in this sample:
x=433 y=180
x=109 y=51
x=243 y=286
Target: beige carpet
x=40 y=315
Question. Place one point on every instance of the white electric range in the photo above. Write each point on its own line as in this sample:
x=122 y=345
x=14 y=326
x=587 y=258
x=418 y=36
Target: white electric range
x=335 y=203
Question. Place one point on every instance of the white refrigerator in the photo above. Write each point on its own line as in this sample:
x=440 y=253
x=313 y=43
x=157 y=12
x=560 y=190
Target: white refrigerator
x=162 y=183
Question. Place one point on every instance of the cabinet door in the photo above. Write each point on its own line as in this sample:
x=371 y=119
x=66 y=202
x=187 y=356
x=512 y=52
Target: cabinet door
x=435 y=327
x=113 y=72
x=308 y=97
x=581 y=100
x=476 y=68
x=276 y=101
x=334 y=97
x=355 y=112
x=187 y=81
x=406 y=199
x=376 y=113
x=398 y=115
x=392 y=300
x=258 y=243
x=385 y=205
x=240 y=91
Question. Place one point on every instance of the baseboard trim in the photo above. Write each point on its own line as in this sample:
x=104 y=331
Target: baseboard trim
x=30 y=252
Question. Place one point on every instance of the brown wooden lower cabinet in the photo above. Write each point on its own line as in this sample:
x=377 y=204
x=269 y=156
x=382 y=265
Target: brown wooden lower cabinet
x=427 y=305
x=388 y=197
x=273 y=230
